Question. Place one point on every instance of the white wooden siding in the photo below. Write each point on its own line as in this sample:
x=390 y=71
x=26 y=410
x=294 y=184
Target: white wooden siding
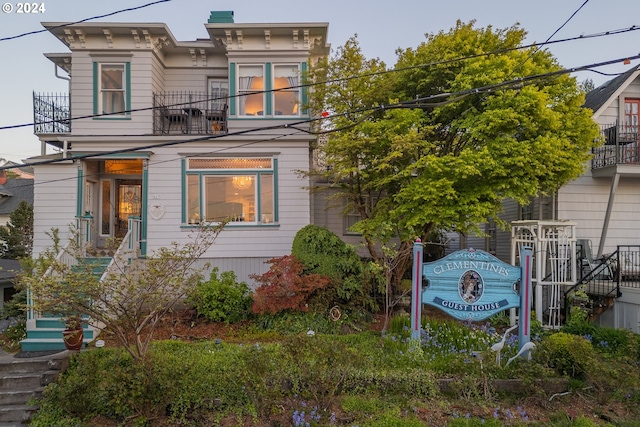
x=186 y=79
x=54 y=193
x=585 y=202
x=141 y=96
x=252 y=242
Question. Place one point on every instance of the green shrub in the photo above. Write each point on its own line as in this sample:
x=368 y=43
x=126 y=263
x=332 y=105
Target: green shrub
x=323 y=252
x=221 y=299
x=12 y=336
x=293 y=323
x=569 y=355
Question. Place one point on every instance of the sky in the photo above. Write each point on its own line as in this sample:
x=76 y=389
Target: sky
x=381 y=27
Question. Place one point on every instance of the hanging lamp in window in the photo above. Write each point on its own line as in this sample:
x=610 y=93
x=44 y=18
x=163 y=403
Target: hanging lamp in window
x=242 y=182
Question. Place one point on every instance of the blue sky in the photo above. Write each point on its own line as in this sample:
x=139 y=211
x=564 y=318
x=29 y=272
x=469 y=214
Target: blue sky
x=382 y=27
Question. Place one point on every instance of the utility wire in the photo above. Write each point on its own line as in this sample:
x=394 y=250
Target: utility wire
x=414 y=103
x=153 y=163
x=547 y=41
x=82 y=20
x=311 y=84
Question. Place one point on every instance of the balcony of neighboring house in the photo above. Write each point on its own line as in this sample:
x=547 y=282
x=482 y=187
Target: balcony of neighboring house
x=176 y=113
x=620 y=153
x=51 y=113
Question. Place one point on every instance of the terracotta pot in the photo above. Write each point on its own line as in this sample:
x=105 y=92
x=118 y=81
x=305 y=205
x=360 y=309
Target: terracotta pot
x=73 y=338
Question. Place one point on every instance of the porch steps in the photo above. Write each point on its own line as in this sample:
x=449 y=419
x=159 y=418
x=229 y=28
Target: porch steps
x=24 y=379
x=47 y=333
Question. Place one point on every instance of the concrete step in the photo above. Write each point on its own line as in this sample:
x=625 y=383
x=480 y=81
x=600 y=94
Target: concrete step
x=27 y=382
x=20 y=414
x=22 y=379
x=8 y=398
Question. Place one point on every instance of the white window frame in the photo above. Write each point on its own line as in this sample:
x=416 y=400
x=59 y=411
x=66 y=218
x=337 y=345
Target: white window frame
x=245 y=87
x=292 y=87
x=122 y=90
x=218 y=93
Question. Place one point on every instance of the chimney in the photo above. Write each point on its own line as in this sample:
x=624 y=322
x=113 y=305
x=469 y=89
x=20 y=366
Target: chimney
x=3 y=177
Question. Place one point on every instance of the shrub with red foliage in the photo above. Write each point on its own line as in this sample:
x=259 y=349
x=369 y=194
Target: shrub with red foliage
x=284 y=287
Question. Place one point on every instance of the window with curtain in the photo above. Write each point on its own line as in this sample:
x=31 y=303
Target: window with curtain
x=112 y=89
x=251 y=79
x=218 y=93
x=286 y=95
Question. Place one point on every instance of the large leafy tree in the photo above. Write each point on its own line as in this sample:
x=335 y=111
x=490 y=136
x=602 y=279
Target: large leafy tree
x=441 y=140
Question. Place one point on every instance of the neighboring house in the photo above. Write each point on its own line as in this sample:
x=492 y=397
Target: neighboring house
x=12 y=192
x=160 y=134
x=21 y=171
x=603 y=202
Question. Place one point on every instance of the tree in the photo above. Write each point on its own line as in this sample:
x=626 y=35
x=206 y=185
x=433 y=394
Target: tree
x=17 y=235
x=587 y=85
x=449 y=159
x=130 y=299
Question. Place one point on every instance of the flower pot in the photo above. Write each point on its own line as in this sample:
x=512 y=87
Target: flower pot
x=73 y=338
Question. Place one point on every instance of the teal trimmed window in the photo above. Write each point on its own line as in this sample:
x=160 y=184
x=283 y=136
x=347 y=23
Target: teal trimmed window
x=112 y=90
x=270 y=90
x=240 y=189
x=286 y=90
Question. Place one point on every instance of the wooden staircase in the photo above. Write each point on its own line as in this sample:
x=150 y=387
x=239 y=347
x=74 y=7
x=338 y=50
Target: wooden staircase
x=46 y=333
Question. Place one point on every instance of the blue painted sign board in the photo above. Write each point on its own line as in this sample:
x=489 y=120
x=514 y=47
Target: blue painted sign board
x=471 y=285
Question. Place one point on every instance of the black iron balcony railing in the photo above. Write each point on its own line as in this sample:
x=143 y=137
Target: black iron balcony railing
x=620 y=147
x=51 y=113
x=188 y=113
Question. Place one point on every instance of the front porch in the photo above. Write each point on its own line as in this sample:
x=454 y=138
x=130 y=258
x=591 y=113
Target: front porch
x=44 y=330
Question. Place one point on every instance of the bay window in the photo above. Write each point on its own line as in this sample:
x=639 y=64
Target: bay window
x=241 y=190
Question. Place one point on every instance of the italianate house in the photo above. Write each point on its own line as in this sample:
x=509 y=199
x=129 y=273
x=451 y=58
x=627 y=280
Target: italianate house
x=157 y=136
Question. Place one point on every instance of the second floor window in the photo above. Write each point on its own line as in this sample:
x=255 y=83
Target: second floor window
x=112 y=93
x=218 y=93
x=286 y=95
x=251 y=79
x=631 y=112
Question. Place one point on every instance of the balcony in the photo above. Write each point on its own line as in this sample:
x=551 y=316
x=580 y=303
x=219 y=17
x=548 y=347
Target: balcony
x=620 y=152
x=51 y=113
x=176 y=113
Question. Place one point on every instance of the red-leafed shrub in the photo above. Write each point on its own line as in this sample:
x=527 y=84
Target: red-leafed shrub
x=284 y=287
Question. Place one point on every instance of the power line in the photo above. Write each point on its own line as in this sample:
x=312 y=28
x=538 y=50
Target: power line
x=82 y=20
x=311 y=84
x=414 y=103
x=551 y=36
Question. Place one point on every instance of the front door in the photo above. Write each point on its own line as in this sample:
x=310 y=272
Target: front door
x=120 y=199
